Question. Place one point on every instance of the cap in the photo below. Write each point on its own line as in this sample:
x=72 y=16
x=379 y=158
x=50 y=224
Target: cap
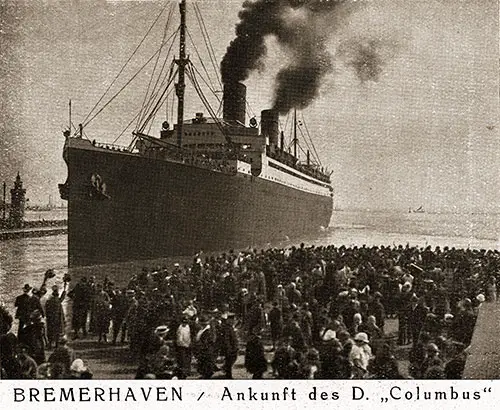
x=432 y=347
x=361 y=337
x=161 y=330
x=78 y=366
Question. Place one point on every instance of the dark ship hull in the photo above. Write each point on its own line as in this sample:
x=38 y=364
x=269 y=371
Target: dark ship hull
x=155 y=208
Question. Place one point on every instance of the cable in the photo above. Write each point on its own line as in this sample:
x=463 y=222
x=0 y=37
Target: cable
x=125 y=129
x=121 y=89
x=210 y=48
x=157 y=60
x=201 y=61
x=126 y=63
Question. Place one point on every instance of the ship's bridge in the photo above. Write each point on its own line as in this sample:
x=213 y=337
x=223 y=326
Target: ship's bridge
x=203 y=132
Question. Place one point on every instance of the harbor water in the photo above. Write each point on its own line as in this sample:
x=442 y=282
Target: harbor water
x=25 y=260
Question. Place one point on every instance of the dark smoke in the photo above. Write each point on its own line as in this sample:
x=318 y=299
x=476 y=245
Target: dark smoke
x=297 y=85
x=244 y=54
x=366 y=57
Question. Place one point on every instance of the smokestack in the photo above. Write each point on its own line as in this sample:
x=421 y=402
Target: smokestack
x=235 y=94
x=269 y=125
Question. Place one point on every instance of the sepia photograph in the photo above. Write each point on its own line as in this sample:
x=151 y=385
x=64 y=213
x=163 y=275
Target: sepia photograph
x=250 y=189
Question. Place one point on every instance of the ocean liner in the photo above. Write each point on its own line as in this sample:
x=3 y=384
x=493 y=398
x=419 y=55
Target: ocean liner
x=208 y=183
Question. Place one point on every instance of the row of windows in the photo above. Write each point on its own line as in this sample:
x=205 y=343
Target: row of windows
x=293 y=185
x=199 y=133
x=273 y=165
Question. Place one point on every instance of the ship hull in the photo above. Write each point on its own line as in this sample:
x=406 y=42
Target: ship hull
x=156 y=208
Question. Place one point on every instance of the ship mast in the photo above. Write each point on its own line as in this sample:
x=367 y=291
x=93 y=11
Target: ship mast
x=295 y=132
x=181 y=62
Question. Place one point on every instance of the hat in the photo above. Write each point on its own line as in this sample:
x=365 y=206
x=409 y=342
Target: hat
x=55 y=287
x=328 y=335
x=36 y=315
x=448 y=316
x=50 y=273
x=130 y=292
x=480 y=298
x=361 y=337
x=161 y=331
x=432 y=347
x=176 y=265
x=27 y=288
x=78 y=366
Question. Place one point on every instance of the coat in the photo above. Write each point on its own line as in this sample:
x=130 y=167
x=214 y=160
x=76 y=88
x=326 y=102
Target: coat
x=55 y=317
x=255 y=360
x=205 y=352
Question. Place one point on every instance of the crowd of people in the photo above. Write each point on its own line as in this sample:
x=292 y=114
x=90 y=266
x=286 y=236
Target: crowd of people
x=316 y=312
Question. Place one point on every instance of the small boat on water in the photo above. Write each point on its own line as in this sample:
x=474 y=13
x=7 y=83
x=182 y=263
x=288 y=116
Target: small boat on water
x=419 y=210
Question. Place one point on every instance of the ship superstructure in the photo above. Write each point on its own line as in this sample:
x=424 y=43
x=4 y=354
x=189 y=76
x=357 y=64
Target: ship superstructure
x=207 y=183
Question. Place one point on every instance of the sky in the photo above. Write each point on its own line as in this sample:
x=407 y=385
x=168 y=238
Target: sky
x=416 y=125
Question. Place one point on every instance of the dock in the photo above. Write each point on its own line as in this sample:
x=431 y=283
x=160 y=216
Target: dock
x=32 y=232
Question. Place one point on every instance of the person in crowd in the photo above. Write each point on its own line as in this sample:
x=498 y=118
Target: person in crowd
x=360 y=355
x=491 y=289
x=454 y=368
x=81 y=295
x=284 y=355
x=33 y=336
x=377 y=309
x=55 y=317
x=120 y=304
x=417 y=316
x=23 y=305
x=229 y=342
x=5 y=320
x=384 y=365
x=28 y=365
x=205 y=349
x=9 y=363
x=464 y=323
x=184 y=338
x=78 y=370
x=276 y=323
x=101 y=312
x=255 y=359
x=404 y=314
x=310 y=368
x=63 y=355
